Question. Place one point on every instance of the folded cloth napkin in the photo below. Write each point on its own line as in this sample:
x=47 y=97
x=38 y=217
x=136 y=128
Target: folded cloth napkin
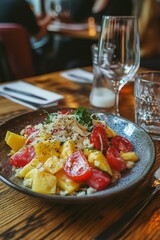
x=78 y=75
x=29 y=95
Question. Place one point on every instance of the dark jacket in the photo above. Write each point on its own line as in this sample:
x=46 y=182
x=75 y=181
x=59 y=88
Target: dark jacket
x=18 y=11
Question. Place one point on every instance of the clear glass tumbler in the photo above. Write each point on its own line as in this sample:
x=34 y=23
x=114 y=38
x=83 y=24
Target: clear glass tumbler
x=147 y=102
x=102 y=94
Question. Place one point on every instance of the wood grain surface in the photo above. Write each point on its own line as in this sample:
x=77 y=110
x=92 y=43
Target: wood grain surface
x=25 y=217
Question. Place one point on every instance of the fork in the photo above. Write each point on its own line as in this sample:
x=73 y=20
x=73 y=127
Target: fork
x=118 y=228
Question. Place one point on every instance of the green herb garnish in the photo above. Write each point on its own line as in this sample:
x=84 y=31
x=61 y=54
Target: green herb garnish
x=50 y=116
x=84 y=117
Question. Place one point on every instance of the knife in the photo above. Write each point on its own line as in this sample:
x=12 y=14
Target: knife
x=35 y=105
x=80 y=78
x=23 y=93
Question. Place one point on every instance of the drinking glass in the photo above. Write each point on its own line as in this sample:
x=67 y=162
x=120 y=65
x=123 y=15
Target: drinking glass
x=119 y=51
x=59 y=9
x=101 y=95
x=54 y=8
x=147 y=102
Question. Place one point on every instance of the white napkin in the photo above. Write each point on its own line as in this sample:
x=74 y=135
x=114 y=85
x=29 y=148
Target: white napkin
x=78 y=75
x=56 y=25
x=48 y=98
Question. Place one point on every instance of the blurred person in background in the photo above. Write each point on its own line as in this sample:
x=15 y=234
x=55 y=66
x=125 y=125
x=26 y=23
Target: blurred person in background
x=148 y=12
x=20 y=12
x=72 y=52
x=80 y=10
x=111 y=7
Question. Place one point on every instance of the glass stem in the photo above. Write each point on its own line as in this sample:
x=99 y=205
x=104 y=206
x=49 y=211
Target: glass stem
x=117 y=103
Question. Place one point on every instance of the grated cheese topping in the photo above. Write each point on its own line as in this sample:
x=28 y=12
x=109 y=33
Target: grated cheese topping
x=63 y=128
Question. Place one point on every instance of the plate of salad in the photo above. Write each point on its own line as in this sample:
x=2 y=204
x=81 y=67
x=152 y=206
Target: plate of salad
x=73 y=155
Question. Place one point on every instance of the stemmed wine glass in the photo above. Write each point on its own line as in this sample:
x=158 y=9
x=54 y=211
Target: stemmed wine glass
x=59 y=10
x=54 y=7
x=119 y=51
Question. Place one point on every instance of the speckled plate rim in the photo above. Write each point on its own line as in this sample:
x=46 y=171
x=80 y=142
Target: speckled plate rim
x=137 y=174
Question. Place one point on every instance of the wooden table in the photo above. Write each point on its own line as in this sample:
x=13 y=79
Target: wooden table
x=25 y=217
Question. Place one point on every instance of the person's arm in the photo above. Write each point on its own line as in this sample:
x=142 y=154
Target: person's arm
x=99 y=5
x=43 y=23
x=36 y=27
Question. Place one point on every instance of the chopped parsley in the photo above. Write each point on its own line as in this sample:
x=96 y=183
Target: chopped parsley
x=84 y=117
x=50 y=117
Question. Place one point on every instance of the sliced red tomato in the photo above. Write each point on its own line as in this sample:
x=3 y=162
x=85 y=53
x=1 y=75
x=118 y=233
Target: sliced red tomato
x=99 y=138
x=122 y=144
x=115 y=160
x=76 y=167
x=28 y=131
x=67 y=112
x=98 y=180
x=55 y=130
x=20 y=159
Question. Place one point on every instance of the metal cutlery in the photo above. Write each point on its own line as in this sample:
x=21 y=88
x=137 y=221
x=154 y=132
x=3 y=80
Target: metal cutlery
x=80 y=78
x=23 y=93
x=35 y=105
x=118 y=228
